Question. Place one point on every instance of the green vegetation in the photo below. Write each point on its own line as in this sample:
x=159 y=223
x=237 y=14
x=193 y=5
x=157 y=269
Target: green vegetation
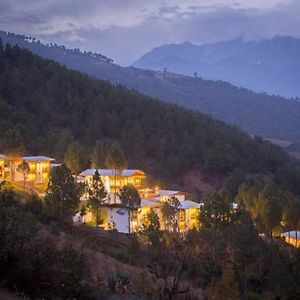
x=226 y=253
x=62 y=195
x=267 y=116
x=46 y=107
x=130 y=198
x=31 y=262
x=24 y=169
x=95 y=195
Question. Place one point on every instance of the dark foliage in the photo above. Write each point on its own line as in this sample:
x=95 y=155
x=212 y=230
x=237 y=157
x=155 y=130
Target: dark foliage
x=44 y=107
x=267 y=116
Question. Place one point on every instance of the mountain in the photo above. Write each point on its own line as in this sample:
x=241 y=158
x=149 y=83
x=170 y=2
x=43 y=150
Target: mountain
x=272 y=66
x=267 y=116
x=44 y=107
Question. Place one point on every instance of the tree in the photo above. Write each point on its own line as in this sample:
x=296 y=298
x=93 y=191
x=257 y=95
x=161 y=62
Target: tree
x=96 y=194
x=270 y=209
x=75 y=158
x=62 y=195
x=244 y=246
x=98 y=156
x=116 y=161
x=291 y=215
x=151 y=227
x=130 y=198
x=170 y=210
x=24 y=168
x=215 y=213
x=169 y=263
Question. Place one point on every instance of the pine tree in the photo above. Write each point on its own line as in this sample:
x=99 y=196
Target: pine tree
x=62 y=195
x=23 y=168
x=75 y=158
x=116 y=161
x=96 y=194
x=98 y=156
x=130 y=198
x=170 y=210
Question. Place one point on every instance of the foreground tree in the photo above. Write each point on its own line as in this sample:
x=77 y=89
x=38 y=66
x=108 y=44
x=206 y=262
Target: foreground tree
x=24 y=169
x=116 y=161
x=131 y=199
x=270 y=214
x=291 y=215
x=170 y=210
x=169 y=262
x=215 y=213
x=244 y=246
x=151 y=228
x=96 y=194
x=62 y=195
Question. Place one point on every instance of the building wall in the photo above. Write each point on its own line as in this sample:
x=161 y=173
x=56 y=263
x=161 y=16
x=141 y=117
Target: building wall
x=2 y=169
x=120 y=218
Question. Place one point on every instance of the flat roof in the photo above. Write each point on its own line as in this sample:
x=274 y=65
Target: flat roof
x=111 y=172
x=37 y=158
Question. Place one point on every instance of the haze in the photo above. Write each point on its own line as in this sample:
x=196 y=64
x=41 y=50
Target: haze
x=124 y=30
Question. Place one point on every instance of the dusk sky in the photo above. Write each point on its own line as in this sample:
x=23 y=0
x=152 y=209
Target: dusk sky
x=126 y=29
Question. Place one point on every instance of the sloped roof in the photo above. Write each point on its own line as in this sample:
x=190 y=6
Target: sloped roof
x=110 y=172
x=186 y=204
x=145 y=202
x=168 y=193
x=2 y=155
x=292 y=234
x=37 y=158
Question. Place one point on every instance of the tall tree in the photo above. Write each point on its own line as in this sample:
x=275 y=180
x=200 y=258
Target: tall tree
x=270 y=208
x=75 y=158
x=98 y=156
x=244 y=246
x=215 y=213
x=291 y=215
x=130 y=198
x=151 y=227
x=62 y=195
x=24 y=168
x=116 y=161
x=170 y=210
x=96 y=194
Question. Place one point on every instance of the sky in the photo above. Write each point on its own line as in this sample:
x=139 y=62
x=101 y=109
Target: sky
x=126 y=29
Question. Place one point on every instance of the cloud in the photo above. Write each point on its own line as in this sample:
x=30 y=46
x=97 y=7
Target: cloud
x=124 y=30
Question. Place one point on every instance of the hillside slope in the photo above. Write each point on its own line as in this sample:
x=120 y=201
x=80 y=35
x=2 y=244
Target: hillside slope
x=268 y=116
x=270 y=65
x=45 y=106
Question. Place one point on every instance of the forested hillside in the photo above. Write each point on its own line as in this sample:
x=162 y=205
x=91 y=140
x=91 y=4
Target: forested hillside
x=45 y=106
x=267 y=116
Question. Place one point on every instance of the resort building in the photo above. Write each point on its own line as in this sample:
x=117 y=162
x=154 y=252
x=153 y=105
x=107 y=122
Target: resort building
x=114 y=180
x=39 y=169
x=292 y=237
x=114 y=216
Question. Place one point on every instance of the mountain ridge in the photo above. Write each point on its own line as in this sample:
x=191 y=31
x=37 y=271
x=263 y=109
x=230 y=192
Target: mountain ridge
x=260 y=114
x=267 y=64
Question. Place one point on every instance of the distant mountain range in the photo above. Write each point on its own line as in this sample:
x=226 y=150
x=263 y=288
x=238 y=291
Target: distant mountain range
x=267 y=116
x=271 y=66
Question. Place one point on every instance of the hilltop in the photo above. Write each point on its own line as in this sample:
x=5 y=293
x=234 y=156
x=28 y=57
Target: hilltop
x=267 y=116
